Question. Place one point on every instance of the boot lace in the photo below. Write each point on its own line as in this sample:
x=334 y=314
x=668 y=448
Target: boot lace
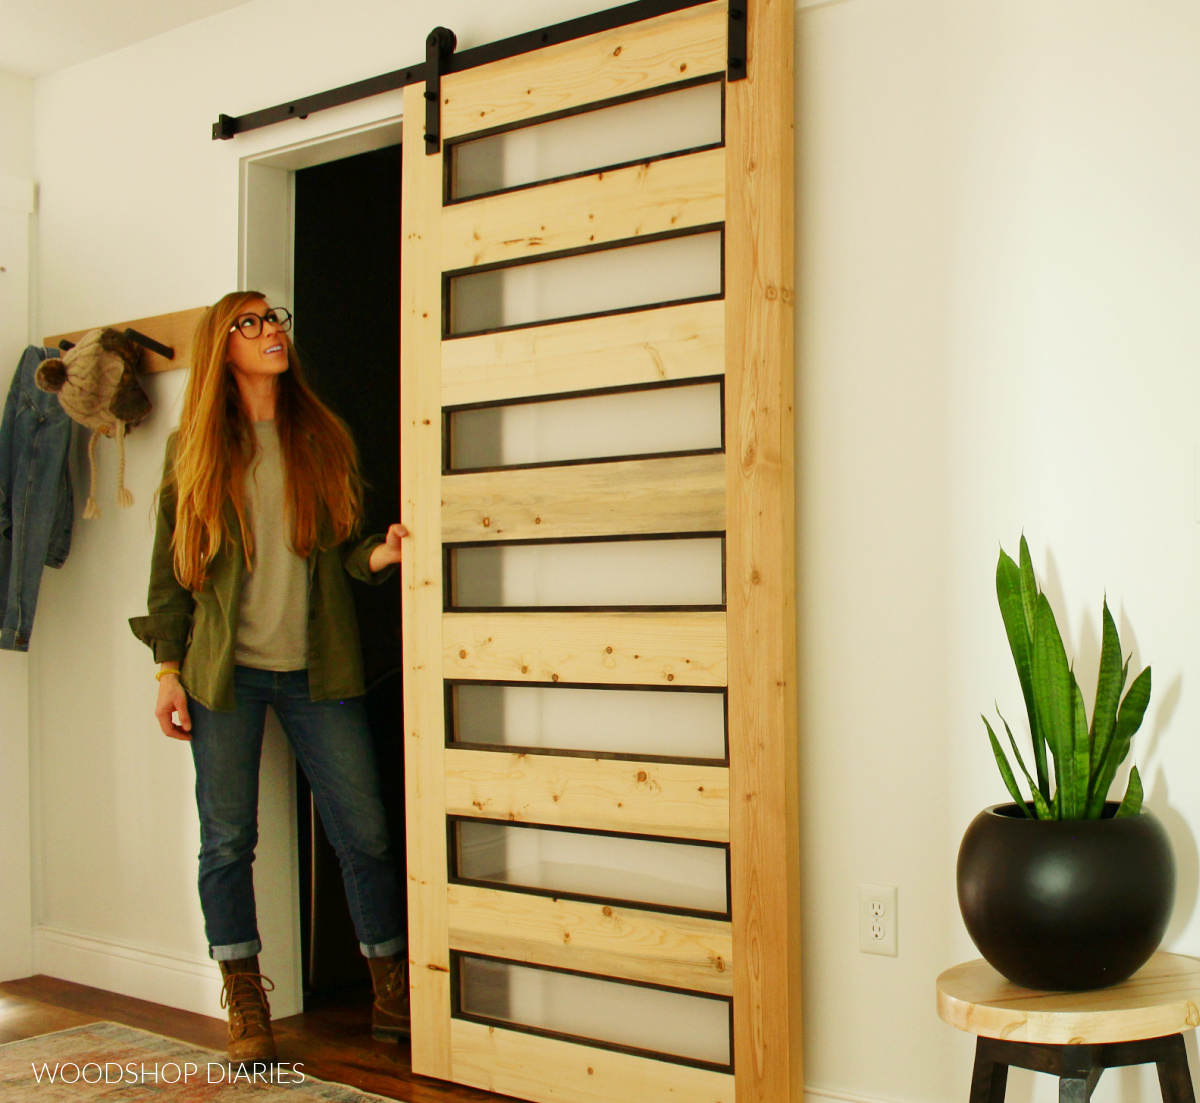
x=245 y=994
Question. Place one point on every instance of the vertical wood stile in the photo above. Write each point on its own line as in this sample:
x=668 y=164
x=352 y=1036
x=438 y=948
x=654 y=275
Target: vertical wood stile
x=420 y=483
x=760 y=558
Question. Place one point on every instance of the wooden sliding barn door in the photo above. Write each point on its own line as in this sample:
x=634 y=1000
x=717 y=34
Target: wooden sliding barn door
x=599 y=617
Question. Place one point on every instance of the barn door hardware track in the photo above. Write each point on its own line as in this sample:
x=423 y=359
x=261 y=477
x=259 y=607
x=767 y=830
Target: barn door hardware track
x=228 y=126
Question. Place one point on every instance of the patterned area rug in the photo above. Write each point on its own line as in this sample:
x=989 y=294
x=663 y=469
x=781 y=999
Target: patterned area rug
x=110 y=1063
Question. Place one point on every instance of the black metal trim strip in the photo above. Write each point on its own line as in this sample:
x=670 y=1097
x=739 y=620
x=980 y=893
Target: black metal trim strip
x=450 y=576
x=711 y=608
x=568 y=829
x=716 y=997
x=456 y=1010
x=450 y=276
x=600 y=171
x=706 y=534
x=227 y=126
x=589 y=392
x=450 y=413
x=593 y=756
x=451 y=145
x=539 y=464
x=450 y=718
x=595 y=1043
x=455 y=878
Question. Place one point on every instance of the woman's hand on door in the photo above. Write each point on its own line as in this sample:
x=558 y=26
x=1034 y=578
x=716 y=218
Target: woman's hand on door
x=389 y=552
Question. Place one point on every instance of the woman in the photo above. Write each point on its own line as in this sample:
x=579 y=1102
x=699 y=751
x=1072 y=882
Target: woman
x=250 y=606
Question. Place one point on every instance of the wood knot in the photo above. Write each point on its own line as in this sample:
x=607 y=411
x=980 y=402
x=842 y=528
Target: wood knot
x=641 y=775
x=771 y=293
x=607 y=911
x=524 y=670
x=554 y=677
x=616 y=53
x=670 y=677
x=487 y=522
x=608 y=651
x=462 y=654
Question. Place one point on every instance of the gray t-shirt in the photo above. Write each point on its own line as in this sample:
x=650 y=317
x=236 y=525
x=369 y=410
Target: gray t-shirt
x=272 y=631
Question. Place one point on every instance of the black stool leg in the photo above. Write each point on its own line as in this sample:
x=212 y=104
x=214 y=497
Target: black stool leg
x=989 y=1080
x=1174 y=1078
x=1080 y=1072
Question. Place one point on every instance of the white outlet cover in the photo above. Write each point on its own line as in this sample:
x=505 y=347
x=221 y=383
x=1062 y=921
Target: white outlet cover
x=877 y=919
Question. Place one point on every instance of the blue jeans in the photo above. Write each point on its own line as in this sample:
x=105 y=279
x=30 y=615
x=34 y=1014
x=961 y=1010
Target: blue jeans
x=332 y=743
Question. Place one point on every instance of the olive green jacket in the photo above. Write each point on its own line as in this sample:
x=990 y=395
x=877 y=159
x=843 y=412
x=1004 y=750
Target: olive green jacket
x=199 y=628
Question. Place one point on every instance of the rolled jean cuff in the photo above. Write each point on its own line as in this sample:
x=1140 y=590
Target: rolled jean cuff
x=389 y=948
x=235 y=952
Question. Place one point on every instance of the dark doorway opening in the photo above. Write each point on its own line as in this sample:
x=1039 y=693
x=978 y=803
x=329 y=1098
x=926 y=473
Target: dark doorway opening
x=347 y=332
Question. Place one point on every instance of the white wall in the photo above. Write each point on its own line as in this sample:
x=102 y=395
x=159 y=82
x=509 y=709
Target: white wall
x=16 y=195
x=997 y=330
x=997 y=226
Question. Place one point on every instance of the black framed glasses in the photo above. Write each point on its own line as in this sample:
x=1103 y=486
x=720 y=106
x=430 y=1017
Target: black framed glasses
x=250 y=325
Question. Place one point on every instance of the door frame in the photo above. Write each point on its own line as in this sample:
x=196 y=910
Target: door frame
x=266 y=225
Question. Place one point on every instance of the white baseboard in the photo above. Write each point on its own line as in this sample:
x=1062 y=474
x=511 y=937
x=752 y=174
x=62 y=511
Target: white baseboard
x=175 y=980
x=811 y=1095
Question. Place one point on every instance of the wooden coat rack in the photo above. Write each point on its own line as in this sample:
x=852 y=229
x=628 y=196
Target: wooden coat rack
x=172 y=330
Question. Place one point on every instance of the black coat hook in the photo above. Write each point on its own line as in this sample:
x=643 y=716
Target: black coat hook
x=165 y=351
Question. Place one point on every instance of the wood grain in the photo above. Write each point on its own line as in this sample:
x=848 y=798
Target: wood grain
x=760 y=564
x=421 y=585
x=650 y=198
x=173 y=330
x=679 y=951
x=547 y=1070
x=619 y=498
x=622 y=350
x=635 y=58
x=679 y=649
x=1163 y=997
x=645 y=798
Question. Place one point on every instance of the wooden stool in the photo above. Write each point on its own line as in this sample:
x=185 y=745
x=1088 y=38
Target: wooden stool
x=1076 y=1035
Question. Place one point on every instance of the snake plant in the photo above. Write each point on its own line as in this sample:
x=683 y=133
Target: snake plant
x=1086 y=757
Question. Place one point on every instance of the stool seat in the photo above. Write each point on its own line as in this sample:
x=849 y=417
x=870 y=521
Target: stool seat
x=1161 y=998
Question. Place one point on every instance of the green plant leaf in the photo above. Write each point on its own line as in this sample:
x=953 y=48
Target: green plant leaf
x=1010 y=782
x=1129 y=719
x=1132 y=804
x=1029 y=586
x=1081 y=750
x=1039 y=802
x=1052 y=693
x=1109 y=684
x=1019 y=628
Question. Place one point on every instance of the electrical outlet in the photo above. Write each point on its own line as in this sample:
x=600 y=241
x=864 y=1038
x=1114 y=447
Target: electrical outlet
x=877 y=919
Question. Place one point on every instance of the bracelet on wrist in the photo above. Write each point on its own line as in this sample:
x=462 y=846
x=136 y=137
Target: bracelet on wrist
x=158 y=675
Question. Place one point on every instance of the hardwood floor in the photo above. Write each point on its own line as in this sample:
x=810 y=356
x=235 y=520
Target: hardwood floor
x=333 y=1043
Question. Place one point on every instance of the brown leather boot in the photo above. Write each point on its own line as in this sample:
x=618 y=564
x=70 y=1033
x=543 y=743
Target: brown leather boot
x=245 y=994
x=389 y=1015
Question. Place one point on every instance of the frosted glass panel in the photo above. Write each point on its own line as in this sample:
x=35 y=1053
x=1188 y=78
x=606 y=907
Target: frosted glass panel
x=655 y=723
x=629 y=423
x=637 y=131
x=607 y=867
x=596 y=573
x=621 y=278
x=681 y=1024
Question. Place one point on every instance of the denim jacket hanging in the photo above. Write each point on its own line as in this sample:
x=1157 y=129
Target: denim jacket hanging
x=36 y=503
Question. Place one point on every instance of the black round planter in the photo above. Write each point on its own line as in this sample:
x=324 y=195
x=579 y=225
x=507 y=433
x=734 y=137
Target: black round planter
x=1066 y=905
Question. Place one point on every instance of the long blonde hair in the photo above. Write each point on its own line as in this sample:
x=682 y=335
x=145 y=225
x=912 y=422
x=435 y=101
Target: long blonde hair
x=215 y=447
